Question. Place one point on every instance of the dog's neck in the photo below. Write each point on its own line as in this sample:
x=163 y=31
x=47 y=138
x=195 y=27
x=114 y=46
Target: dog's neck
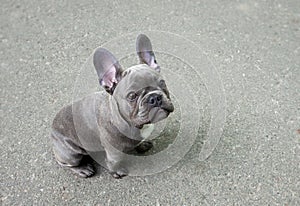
x=124 y=126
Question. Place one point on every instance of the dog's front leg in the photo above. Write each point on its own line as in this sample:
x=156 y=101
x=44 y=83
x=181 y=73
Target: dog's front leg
x=114 y=164
x=144 y=147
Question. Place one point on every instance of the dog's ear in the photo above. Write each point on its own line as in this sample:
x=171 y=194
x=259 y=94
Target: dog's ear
x=108 y=69
x=145 y=52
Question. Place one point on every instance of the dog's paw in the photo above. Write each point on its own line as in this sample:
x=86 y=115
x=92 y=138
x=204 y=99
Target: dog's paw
x=84 y=171
x=144 y=147
x=119 y=173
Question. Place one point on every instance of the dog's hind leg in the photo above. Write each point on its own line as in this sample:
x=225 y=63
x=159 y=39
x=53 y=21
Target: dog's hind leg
x=70 y=155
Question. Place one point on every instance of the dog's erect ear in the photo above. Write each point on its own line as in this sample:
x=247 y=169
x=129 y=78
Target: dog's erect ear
x=108 y=69
x=145 y=52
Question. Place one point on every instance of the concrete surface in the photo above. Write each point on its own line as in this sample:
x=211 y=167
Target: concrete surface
x=255 y=46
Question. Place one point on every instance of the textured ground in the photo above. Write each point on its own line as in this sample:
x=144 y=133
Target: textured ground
x=255 y=47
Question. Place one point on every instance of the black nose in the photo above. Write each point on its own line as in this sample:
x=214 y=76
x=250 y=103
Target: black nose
x=155 y=100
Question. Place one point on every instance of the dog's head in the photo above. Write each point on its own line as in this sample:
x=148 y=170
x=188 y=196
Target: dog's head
x=140 y=91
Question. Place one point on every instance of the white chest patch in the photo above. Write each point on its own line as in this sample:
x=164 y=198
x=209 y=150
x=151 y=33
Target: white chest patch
x=147 y=130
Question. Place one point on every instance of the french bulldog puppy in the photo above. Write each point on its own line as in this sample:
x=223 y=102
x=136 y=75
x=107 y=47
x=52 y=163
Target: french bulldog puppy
x=112 y=120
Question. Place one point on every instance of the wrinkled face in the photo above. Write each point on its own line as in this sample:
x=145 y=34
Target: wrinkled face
x=142 y=96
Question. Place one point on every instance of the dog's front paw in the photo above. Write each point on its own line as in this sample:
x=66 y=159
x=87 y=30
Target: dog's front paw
x=144 y=147
x=85 y=171
x=119 y=173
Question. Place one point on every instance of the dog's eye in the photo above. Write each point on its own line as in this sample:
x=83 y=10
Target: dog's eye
x=131 y=96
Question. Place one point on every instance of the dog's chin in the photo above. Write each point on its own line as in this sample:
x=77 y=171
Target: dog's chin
x=157 y=114
x=140 y=122
x=140 y=125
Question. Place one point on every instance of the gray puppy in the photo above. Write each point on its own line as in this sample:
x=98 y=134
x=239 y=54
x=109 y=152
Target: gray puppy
x=112 y=120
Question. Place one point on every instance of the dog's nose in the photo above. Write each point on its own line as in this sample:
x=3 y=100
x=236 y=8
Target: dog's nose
x=155 y=100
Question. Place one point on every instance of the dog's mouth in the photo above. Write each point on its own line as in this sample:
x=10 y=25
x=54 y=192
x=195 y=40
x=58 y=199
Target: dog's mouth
x=157 y=114
x=153 y=114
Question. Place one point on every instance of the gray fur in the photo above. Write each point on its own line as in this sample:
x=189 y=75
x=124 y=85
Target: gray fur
x=111 y=121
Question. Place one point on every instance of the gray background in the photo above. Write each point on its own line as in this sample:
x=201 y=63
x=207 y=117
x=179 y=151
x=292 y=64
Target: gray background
x=255 y=48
